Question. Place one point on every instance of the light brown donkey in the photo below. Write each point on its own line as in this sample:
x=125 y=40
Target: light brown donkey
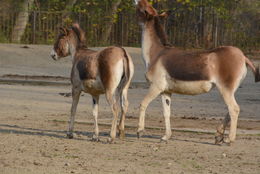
x=170 y=70
x=108 y=72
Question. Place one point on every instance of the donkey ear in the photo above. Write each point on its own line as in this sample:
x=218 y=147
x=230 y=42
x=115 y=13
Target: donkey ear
x=64 y=31
x=76 y=25
x=145 y=6
x=164 y=15
x=81 y=34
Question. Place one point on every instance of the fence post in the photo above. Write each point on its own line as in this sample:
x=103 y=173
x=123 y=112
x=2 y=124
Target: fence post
x=216 y=32
x=34 y=25
x=122 y=29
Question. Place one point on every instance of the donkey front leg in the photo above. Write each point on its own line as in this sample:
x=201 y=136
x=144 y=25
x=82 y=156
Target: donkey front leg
x=95 y=136
x=75 y=101
x=166 y=102
x=150 y=96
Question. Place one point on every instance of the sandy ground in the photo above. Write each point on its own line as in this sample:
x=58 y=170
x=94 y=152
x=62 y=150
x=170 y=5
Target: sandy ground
x=33 y=123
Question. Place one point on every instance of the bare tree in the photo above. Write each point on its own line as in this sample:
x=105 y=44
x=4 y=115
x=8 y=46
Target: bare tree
x=21 y=21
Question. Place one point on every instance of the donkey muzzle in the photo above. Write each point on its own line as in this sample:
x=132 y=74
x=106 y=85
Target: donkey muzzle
x=54 y=55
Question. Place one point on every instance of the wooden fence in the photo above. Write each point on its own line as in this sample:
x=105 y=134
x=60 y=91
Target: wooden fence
x=197 y=28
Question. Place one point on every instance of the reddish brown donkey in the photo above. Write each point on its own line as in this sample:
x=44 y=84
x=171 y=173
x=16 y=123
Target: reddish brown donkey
x=170 y=70
x=108 y=72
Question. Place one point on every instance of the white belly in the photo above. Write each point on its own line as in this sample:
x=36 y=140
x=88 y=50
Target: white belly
x=189 y=88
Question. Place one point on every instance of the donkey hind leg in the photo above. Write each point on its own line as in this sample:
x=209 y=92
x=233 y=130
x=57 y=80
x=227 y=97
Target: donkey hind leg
x=150 y=96
x=219 y=138
x=95 y=136
x=124 y=106
x=75 y=101
x=112 y=99
x=166 y=102
x=233 y=110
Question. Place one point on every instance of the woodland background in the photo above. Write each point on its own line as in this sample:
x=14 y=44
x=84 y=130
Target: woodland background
x=192 y=23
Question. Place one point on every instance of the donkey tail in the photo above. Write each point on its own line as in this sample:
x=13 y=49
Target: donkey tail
x=126 y=65
x=126 y=77
x=254 y=69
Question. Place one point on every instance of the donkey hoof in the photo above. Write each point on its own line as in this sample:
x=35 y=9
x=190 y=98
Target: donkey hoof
x=227 y=142
x=95 y=138
x=70 y=135
x=121 y=134
x=140 y=133
x=110 y=140
x=164 y=139
x=219 y=139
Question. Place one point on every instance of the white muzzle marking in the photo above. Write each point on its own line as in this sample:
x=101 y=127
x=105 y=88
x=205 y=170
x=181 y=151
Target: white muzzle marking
x=54 y=55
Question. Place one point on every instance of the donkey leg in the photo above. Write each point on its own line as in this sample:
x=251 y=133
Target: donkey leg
x=111 y=98
x=124 y=106
x=95 y=136
x=233 y=110
x=166 y=102
x=219 y=138
x=75 y=101
x=150 y=96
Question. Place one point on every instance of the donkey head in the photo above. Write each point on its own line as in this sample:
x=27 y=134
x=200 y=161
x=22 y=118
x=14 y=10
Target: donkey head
x=67 y=37
x=147 y=14
x=61 y=45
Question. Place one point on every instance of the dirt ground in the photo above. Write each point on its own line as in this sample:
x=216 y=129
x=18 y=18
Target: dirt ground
x=33 y=125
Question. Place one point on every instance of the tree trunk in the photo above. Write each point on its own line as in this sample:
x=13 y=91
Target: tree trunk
x=208 y=35
x=216 y=32
x=66 y=14
x=21 y=21
x=5 y=4
x=68 y=9
x=108 y=23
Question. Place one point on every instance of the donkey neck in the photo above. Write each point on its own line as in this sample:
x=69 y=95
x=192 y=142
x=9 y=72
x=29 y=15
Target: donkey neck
x=151 y=44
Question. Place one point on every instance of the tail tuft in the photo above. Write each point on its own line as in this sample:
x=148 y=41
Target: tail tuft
x=257 y=75
x=254 y=69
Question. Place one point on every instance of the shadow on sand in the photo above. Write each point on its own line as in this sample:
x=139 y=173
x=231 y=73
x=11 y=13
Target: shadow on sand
x=61 y=134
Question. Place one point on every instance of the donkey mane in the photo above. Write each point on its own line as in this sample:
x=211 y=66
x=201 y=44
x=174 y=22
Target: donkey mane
x=80 y=35
x=161 y=32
